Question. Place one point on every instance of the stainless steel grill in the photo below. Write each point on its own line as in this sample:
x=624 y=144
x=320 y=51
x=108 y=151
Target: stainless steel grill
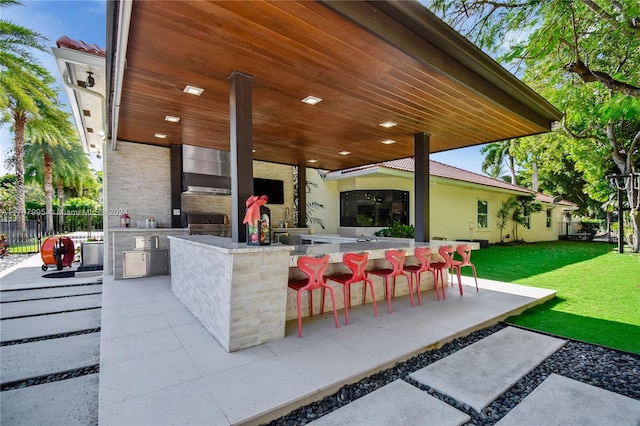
x=208 y=224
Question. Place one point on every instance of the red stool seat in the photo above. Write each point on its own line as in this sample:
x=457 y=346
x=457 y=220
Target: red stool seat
x=396 y=259
x=446 y=252
x=423 y=254
x=314 y=268
x=356 y=262
x=464 y=250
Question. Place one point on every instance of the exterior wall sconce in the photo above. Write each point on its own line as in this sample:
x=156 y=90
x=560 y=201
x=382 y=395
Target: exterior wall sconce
x=90 y=80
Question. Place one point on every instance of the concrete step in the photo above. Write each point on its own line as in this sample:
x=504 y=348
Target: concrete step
x=395 y=404
x=563 y=401
x=479 y=373
x=25 y=328
x=36 y=307
x=45 y=357
x=41 y=293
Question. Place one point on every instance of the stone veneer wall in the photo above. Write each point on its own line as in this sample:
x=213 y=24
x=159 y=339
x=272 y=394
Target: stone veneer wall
x=239 y=297
x=139 y=182
x=222 y=203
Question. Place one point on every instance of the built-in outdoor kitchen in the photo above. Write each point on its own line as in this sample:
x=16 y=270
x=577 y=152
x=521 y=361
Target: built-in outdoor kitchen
x=203 y=206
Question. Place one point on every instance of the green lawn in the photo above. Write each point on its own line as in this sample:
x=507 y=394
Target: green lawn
x=598 y=297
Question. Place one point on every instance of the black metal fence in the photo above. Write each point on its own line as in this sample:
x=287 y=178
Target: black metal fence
x=81 y=226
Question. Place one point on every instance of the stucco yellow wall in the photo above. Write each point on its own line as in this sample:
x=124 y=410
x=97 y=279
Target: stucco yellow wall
x=453 y=208
x=325 y=193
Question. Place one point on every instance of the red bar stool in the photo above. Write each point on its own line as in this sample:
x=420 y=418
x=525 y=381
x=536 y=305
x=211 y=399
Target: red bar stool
x=423 y=254
x=356 y=262
x=314 y=268
x=464 y=250
x=396 y=258
x=446 y=252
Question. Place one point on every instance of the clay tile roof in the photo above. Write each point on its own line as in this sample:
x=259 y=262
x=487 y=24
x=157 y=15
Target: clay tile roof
x=69 y=43
x=454 y=173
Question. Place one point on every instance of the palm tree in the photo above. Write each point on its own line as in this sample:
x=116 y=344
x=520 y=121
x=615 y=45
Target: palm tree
x=52 y=146
x=496 y=153
x=26 y=90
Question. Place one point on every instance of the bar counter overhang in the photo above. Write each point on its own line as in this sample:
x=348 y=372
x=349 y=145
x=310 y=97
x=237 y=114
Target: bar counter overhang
x=239 y=292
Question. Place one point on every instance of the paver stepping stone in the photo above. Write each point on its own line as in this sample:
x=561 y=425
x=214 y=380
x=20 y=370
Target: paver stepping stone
x=479 y=373
x=563 y=401
x=44 y=357
x=10 y=296
x=24 y=328
x=35 y=307
x=66 y=402
x=397 y=403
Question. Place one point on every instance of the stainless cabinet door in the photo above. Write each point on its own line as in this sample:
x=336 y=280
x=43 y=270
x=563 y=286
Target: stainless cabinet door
x=157 y=262
x=135 y=264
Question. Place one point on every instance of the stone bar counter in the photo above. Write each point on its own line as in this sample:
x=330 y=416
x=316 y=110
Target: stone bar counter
x=240 y=294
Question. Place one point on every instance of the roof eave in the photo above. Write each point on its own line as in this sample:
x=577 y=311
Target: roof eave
x=407 y=24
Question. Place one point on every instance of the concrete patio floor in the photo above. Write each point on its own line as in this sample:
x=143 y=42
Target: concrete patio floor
x=158 y=365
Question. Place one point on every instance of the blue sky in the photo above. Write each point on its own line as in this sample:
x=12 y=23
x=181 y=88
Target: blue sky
x=85 y=20
x=80 y=20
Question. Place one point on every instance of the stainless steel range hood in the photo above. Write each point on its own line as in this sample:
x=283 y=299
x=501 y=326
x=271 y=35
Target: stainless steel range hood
x=206 y=171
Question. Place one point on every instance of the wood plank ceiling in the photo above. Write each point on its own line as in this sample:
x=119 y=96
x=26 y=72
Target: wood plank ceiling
x=292 y=50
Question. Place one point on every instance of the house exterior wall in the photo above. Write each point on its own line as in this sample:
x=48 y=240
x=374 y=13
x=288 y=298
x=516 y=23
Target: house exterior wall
x=326 y=195
x=453 y=208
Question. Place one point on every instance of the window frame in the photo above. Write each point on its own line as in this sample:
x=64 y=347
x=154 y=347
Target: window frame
x=482 y=215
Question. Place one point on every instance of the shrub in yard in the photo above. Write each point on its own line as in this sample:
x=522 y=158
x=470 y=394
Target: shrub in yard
x=397 y=230
x=4 y=246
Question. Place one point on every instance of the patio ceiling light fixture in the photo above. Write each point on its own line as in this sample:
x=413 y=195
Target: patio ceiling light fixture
x=388 y=141
x=312 y=161
x=344 y=152
x=171 y=118
x=311 y=100
x=388 y=124
x=160 y=136
x=193 y=90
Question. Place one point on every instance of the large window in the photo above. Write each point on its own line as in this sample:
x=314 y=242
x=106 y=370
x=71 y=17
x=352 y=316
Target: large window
x=374 y=208
x=483 y=214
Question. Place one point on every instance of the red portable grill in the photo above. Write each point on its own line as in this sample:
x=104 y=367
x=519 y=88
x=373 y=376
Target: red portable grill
x=57 y=251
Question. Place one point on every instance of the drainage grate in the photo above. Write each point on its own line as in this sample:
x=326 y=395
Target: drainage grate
x=50 y=336
x=48 y=378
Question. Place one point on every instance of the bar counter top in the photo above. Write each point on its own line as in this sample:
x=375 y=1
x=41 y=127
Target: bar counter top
x=376 y=249
x=224 y=244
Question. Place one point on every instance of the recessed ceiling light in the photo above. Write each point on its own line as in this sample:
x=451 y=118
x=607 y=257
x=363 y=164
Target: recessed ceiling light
x=311 y=100
x=312 y=161
x=193 y=90
x=388 y=124
x=388 y=141
x=160 y=135
x=171 y=118
x=344 y=152
x=253 y=150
